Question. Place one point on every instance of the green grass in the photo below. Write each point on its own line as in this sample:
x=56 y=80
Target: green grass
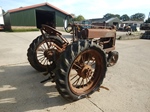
x=22 y=30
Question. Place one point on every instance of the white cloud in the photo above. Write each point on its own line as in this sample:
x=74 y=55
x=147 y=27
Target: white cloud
x=98 y=8
x=133 y=4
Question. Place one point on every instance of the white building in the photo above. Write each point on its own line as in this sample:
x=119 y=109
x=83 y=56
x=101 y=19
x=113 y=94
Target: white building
x=1 y=19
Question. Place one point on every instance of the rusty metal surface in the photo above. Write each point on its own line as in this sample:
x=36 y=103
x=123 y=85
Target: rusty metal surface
x=47 y=54
x=106 y=36
x=22 y=91
x=100 y=33
x=51 y=31
x=107 y=50
x=85 y=72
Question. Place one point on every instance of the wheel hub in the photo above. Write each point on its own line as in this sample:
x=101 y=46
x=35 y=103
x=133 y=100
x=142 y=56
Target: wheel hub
x=49 y=54
x=85 y=72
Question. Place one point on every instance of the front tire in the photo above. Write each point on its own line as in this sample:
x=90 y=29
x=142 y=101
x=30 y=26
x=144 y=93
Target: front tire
x=38 y=53
x=81 y=70
x=112 y=58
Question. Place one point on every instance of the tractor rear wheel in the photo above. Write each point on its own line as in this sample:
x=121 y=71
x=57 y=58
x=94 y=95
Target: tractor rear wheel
x=81 y=70
x=40 y=56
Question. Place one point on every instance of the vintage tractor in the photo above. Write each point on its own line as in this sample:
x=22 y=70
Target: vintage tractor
x=77 y=67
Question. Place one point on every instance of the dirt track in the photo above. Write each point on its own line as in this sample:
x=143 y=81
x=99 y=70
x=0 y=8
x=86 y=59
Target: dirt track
x=20 y=88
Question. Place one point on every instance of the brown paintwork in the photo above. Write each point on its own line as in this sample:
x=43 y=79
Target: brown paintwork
x=109 y=34
x=100 y=33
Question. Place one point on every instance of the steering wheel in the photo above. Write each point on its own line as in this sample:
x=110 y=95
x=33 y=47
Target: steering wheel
x=68 y=22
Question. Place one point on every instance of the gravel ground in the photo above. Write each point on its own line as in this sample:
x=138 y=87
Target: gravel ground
x=21 y=91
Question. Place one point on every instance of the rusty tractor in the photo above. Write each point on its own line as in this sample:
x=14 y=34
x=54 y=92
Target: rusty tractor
x=77 y=67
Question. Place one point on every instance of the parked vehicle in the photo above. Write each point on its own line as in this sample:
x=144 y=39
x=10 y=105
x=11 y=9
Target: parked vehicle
x=145 y=26
x=79 y=67
x=86 y=24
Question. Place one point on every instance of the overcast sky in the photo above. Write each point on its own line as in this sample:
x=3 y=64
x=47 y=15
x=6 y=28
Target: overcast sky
x=88 y=8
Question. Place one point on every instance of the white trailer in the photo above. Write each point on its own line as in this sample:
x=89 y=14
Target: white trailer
x=1 y=19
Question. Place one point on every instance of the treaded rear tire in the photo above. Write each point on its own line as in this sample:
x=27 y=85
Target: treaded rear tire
x=65 y=63
x=32 y=54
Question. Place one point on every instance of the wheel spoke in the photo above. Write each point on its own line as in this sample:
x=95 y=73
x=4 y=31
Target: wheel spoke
x=49 y=44
x=82 y=83
x=77 y=81
x=43 y=49
x=74 y=77
x=42 y=59
x=44 y=46
x=92 y=75
x=77 y=66
x=88 y=61
x=82 y=58
x=40 y=55
x=87 y=80
x=45 y=61
x=40 y=50
x=91 y=64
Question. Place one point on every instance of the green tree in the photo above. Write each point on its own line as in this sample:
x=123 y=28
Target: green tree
x=125 y=17
x=79 y=18
x=117 y=15
x=109 y=15
x=137 y=17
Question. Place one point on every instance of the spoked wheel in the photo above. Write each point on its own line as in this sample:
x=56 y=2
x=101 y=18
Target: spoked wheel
x=81 y=70
x=112 y=58
x=84 y=72
x=40 y=56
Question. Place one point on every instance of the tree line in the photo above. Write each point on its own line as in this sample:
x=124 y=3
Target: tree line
x=124 y=17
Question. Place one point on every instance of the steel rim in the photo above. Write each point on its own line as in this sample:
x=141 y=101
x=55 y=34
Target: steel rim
x=85 y=72
x=45 y=55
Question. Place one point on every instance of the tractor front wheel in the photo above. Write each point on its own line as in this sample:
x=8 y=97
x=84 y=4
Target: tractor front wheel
x=40 y=56
x=112 y=58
